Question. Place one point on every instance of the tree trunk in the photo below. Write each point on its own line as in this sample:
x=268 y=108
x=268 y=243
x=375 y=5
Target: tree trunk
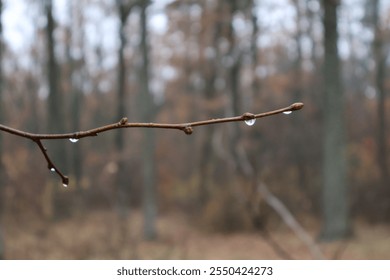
x=56 y=120
x=55 y=105
x=208 y=69
x=122 y=177
x=256 y=85
x=77 y=158
x=148 y=146
x=2 y=179
x=335 y=193
x=76 y=94
x=234 y=77
x=380 y=60
x=298 y=138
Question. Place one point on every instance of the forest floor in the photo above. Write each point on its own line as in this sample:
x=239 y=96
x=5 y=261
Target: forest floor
x=100 y=235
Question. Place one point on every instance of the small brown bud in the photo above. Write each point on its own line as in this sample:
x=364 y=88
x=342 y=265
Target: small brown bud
x=188 y=130
x=296 y=106
x=123 y=121
x=248 y=116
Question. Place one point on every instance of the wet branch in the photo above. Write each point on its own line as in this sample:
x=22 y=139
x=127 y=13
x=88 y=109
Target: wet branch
x=187 y=128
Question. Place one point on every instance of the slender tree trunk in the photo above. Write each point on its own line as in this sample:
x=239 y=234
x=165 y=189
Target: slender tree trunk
x=76 y=95
x=234 y=78
x=2 y=179
x=206 y=159
x=256 y=85
x=122 y=178
x=56 y=120
x=55 y=107
x=148 y=146
x=208 y=68
x=380 y=60
x=335 y=193
x=315 y=94
x=298 y=138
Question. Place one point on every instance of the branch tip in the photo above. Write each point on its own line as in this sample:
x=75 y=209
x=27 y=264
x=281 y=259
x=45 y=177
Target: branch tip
x=296 y=106
x=65 y=181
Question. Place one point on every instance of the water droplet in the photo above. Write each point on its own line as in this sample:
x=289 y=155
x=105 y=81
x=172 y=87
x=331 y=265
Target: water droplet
x=250 y=122
x=287 y=112
x=73 y=140
x=65 y=181
x=52 y=169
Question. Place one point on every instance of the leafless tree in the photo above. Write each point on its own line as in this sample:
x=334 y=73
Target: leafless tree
x=335 y=192
x=148 y=147
x=2 y=181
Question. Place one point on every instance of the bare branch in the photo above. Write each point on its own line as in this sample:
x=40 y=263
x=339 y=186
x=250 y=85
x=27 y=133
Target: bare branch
x=187 y=128
x=290 y=220
x=50 y=164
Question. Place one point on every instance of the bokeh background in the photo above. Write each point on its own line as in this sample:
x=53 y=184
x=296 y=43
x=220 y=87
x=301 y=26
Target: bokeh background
x=311 y=184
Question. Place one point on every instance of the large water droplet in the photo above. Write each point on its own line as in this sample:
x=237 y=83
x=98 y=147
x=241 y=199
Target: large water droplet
x=287 y=112
x=250 y=122
x=73 y=140
x=52 y=169
x=65 y=185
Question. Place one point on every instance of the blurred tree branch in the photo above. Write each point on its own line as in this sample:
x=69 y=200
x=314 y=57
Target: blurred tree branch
x=187 y=128
x=290 y=221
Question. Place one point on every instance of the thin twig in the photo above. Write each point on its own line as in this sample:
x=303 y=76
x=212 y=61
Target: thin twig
x=50 y=164
x=290 y=220
x=187 y=128
x=279 y=250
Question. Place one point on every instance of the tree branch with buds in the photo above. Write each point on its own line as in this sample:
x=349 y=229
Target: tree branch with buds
x=187 y=128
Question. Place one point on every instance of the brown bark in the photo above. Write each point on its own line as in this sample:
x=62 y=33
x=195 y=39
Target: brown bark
x=335 y=192
x=122 y=179
x=380 y=75
x=2 y=181
x=56 y=120
x=148 y=146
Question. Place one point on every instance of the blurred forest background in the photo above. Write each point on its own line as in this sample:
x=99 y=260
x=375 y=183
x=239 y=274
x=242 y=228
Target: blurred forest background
x=276 y=189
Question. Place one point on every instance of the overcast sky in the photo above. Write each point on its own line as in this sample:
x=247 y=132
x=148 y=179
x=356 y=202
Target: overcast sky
x=19 y=18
